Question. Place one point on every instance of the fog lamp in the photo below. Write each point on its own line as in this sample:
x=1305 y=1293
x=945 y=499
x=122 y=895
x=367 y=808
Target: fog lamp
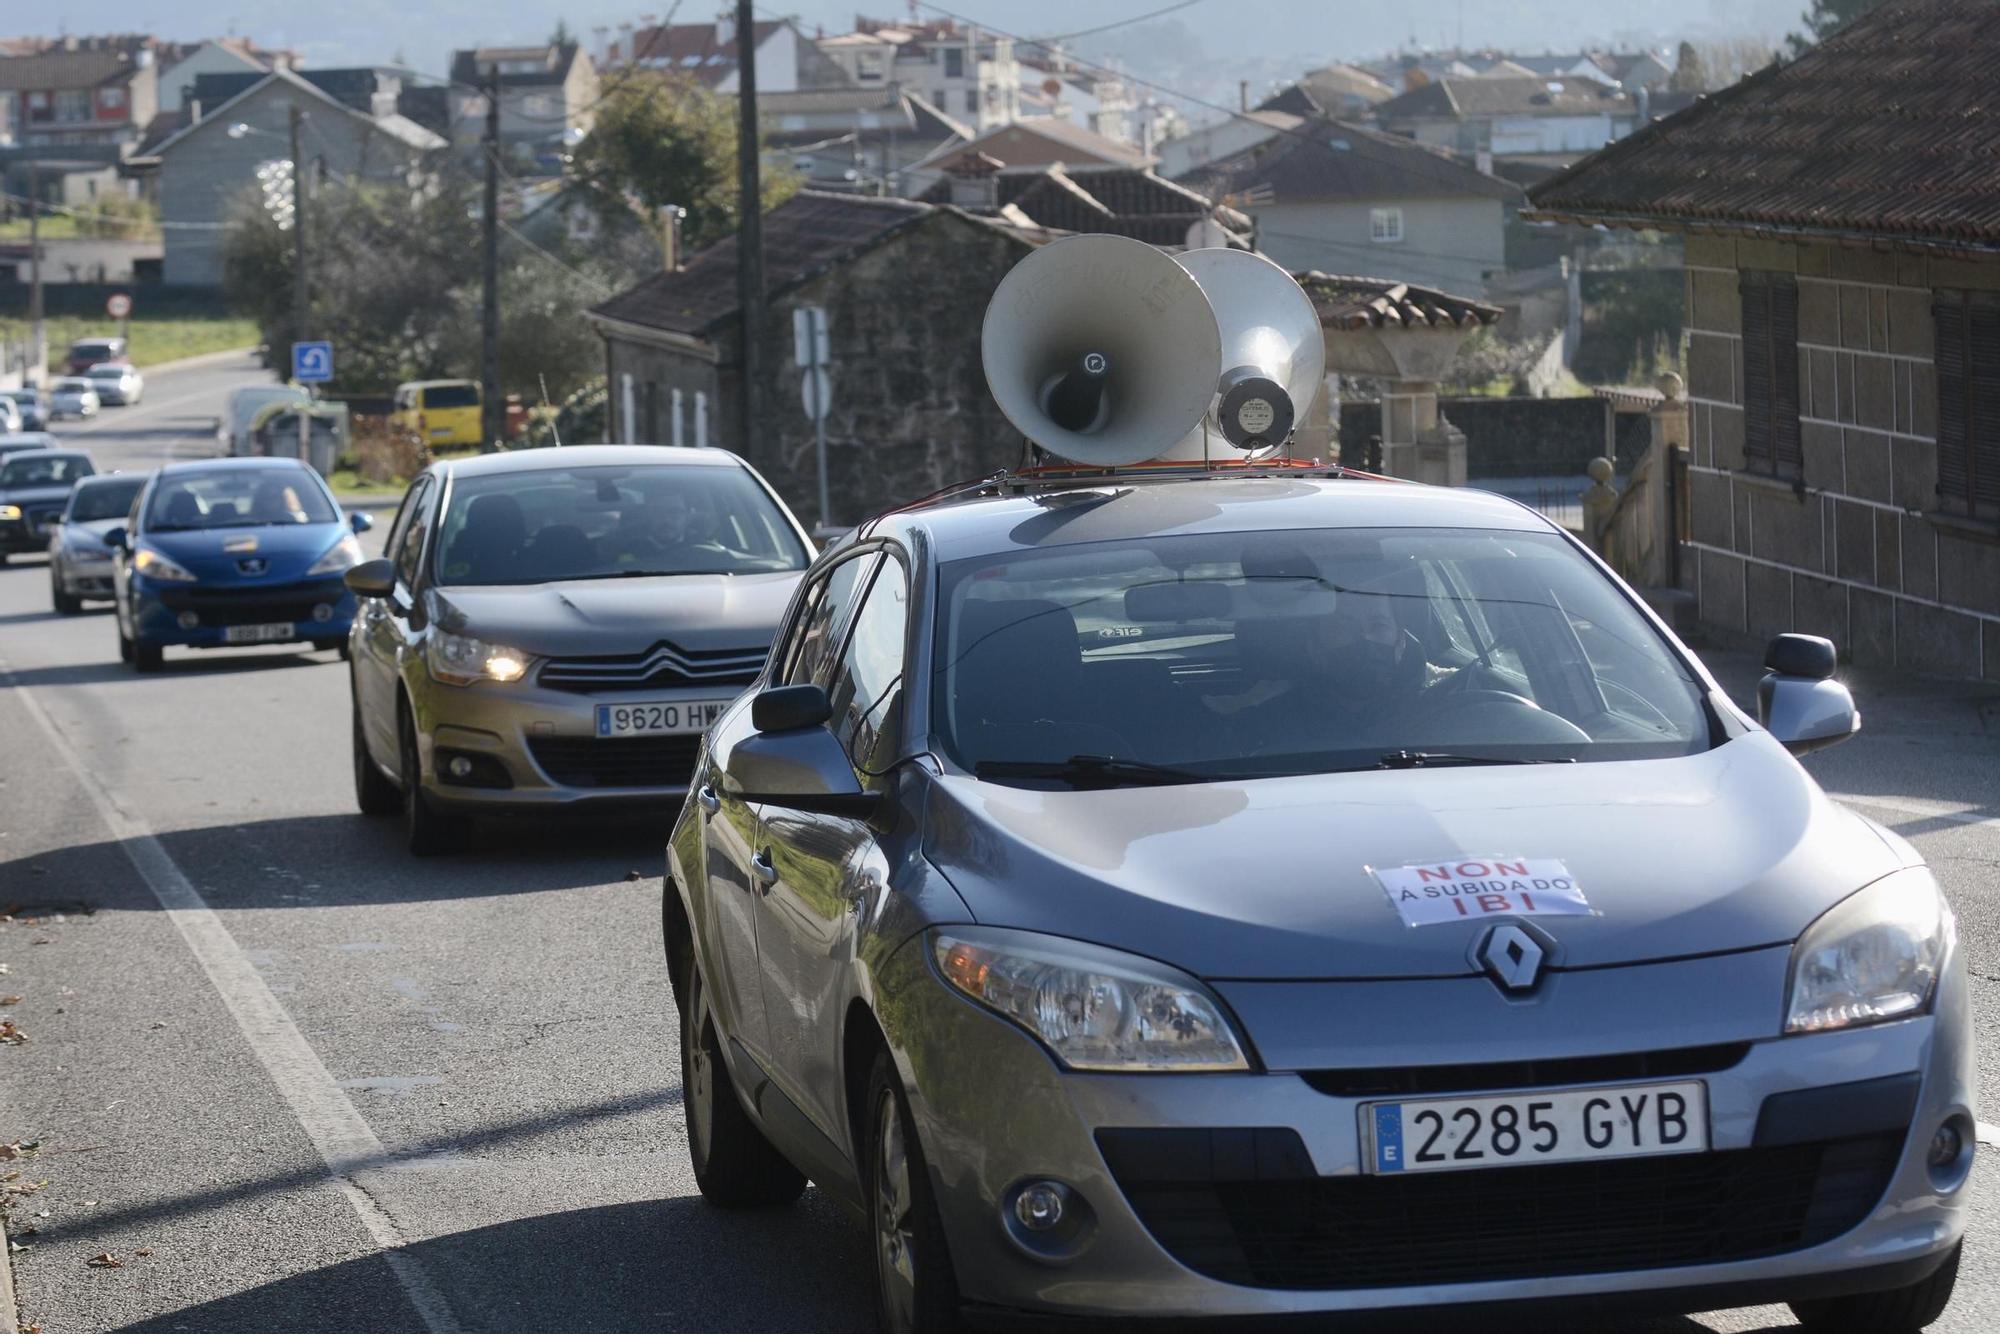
x=1040 y=1205
x=1946 y=1145
x=460 y=767
x=322 y=611
x=188 y=620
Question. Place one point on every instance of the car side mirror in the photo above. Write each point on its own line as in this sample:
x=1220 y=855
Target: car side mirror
x=114 y=538
x=793 y=761
x=1798 y=700
x=361 y=521
x=372 y=578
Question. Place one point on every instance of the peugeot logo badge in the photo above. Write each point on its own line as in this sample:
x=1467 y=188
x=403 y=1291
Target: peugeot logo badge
x=253 y=565
x=1511 y=957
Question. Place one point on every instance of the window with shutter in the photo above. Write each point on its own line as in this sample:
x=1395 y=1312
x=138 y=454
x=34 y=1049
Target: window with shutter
x=1968 y=416
x=1771 y=438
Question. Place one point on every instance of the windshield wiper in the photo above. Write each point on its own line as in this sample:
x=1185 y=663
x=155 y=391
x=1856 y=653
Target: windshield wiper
x=1097 y=771
x=1434 y=759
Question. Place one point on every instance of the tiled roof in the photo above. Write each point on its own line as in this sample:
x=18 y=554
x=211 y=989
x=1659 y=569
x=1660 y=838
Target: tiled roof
x=803 y=237
x=63 y=69
x=1336 y=160
x=1347 y=302
x=1116 y=201
x=1481 y=96
x=690 y=48
x=1887 y=131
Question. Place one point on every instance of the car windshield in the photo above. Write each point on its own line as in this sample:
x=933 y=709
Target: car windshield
x=237 y=497
x=106 y=371
x=451 y=396
x=38 y=468
x=75 y=384
x=612 y=522
x=104 y=500
x=1285 y=652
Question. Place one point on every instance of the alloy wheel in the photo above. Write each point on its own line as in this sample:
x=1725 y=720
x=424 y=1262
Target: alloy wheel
x=895 y=1240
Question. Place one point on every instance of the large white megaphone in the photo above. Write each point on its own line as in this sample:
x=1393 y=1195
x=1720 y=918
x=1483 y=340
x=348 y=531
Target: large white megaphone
x=1273 y=356
x=1102 y=350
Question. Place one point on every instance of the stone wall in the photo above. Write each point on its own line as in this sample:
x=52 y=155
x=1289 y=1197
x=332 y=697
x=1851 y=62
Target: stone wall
x=1856 y=549
x=1516 y=437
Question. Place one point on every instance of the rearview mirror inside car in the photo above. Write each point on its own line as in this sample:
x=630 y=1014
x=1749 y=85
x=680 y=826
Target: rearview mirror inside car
x=1177 y=602
x=1798 y=700
x=372 y=578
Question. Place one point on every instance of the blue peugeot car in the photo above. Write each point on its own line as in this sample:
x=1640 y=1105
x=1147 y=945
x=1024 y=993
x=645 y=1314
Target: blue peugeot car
x=224 y=552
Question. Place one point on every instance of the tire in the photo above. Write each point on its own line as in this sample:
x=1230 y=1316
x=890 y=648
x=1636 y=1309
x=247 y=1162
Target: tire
x=124 y=646
x=373 y=792
x=65 y=605
x=428 y=831
x=734 y=1165
x=915 y=1290
x=1898 y=1311
x=147 y=657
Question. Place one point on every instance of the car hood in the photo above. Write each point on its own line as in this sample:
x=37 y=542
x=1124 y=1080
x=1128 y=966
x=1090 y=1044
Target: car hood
x=1726 y=850
x=587 y=617
x=216 y=553
x=94 y=528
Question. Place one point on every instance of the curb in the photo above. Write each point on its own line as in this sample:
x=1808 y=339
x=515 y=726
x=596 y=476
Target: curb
x=188 y=364
x=10 y=1315
x=357 y=501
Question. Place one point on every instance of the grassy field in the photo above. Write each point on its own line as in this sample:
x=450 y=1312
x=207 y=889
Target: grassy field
x=153 y=341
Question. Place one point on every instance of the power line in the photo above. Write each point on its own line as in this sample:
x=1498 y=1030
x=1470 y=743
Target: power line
x=1121 y=23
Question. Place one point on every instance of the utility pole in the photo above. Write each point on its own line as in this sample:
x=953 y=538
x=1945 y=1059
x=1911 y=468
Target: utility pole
x=38 y=337
x=301 y=291
x=492 y=413
x=750 y=224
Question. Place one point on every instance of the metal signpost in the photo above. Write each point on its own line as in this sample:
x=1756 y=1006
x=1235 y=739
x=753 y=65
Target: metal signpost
x=811 y=349
x=312 y=363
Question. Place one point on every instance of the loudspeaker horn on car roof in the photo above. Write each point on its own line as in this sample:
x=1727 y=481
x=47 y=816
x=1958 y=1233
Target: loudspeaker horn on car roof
x=1102 y=350
x=1273 y=356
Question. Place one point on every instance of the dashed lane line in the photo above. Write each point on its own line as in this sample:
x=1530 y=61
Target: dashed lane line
x=346 y=1143
x=1927 y=810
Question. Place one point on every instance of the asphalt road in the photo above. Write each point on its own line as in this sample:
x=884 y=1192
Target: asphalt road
x=290 y=1078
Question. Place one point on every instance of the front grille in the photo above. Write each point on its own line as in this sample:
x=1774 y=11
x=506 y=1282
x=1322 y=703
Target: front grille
x=1504 y=1223
x=257 y=605
x=1405 y=1080
x=664 y=664
x=642 y=761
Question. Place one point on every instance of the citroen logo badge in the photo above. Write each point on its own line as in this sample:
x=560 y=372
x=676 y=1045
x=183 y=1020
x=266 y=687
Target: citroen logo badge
x=1511 y=957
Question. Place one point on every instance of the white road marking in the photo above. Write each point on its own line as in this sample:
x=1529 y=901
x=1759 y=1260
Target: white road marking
x=345 y=1142
x=1988 y=1134
x=1929 y=810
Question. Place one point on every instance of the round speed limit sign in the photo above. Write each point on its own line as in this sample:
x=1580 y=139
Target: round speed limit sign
x=118 y=306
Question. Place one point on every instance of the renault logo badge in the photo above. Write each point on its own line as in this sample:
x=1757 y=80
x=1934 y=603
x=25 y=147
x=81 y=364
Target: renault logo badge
x=1511 y=957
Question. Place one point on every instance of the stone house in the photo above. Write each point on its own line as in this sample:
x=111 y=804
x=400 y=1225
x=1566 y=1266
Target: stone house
x=1343 y=198
x=904 y=285
x=1843 y=353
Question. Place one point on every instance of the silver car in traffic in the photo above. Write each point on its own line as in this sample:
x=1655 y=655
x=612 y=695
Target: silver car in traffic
x=555 y=628
x=80 y=564
x=1293 y=893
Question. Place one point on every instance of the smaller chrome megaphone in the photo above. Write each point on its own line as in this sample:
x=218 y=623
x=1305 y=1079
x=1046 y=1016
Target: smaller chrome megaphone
x=1273 y=356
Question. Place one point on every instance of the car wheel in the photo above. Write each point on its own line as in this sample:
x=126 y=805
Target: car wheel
x=915 y=1292
x=373 y=791
x=65 y=604
x=734 y=1165
x=124 y=645
x=147 y=657
x=428 y=830
x=1898 y=1311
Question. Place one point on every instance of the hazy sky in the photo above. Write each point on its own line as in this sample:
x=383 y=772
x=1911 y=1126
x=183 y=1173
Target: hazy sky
x=424 y=31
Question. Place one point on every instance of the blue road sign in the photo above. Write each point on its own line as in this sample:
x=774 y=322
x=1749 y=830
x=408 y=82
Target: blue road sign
x=312 y=363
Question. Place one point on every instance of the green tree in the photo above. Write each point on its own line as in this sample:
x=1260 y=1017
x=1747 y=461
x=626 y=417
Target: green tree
x=1690 y=71
x=562 y=35
x=1825 y=18
x=661 y=139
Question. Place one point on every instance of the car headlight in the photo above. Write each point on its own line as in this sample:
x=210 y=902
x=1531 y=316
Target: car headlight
x=9 y=512
x=338 y=557
x=1872 y=957
x=1094 y=1008
x=460 y=660
x=155 y=566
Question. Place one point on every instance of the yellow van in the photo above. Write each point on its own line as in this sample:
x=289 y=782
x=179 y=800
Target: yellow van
x=441 y=413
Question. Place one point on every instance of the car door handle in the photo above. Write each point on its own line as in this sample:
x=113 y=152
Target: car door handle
x=761 y=863
x=709 y=801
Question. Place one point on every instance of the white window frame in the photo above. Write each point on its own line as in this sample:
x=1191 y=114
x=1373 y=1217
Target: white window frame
x=1385 y=225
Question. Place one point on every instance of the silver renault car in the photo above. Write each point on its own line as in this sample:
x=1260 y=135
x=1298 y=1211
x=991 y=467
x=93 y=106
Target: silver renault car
x=554 y=628
x=1292 y=893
